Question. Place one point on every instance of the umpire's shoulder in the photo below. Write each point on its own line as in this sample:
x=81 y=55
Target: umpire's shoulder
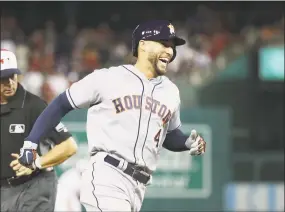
x=34 y=101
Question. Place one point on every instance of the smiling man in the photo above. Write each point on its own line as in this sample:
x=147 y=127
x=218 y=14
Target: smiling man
x=133 y=111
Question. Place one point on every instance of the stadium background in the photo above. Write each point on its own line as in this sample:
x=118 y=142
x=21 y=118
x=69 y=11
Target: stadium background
x=231 y=78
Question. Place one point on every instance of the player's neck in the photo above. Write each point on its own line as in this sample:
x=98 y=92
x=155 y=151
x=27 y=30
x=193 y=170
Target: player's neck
x=146 y=69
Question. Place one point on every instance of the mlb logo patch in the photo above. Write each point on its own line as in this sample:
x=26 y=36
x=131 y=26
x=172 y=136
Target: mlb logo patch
x=17 y=128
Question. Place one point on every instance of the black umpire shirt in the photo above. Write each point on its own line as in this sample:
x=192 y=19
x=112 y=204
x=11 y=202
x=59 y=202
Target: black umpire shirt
x=17 y=119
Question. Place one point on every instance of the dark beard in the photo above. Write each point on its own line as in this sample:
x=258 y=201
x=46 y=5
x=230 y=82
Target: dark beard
x=153 y=61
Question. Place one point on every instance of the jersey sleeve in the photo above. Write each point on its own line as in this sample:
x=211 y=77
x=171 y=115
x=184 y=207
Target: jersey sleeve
x=87 y=91
x=175 y=121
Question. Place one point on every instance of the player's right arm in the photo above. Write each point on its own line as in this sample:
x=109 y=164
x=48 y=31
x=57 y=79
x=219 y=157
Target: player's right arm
x=81 y=94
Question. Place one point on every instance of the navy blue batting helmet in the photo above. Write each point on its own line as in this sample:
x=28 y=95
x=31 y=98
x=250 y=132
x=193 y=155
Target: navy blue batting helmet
x=157 y=30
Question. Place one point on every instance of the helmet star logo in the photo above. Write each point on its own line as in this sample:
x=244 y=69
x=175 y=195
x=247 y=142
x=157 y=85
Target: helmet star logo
x=171 y=29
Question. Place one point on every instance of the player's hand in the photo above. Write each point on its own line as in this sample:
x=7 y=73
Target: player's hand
x=19 y=168
x=196 y=144
x=28 y=154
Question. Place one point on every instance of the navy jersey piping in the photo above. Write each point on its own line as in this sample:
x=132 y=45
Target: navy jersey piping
x=148 y=121
x=139 y=125
x=93 y=184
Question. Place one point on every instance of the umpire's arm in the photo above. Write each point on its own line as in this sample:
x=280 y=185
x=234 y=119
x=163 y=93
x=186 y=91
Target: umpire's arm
x=65 y=146
x=58 y=154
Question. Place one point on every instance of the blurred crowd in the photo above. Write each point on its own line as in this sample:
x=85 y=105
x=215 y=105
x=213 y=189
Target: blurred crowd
x=51 y=60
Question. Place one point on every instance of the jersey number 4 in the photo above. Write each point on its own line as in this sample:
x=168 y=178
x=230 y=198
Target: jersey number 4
x=157 y=137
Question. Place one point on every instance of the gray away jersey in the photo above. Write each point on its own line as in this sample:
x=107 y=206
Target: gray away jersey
x=128 y=115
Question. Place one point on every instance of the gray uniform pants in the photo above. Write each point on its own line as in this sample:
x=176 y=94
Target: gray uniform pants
x=37 y=195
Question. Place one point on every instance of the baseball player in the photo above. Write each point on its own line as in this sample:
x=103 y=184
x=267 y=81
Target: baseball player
x=133 y=111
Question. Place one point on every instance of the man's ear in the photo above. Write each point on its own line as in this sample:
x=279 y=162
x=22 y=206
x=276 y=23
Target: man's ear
x=142 y=45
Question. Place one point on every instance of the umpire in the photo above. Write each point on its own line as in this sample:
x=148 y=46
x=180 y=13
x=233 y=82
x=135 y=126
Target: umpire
x=33 y=188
